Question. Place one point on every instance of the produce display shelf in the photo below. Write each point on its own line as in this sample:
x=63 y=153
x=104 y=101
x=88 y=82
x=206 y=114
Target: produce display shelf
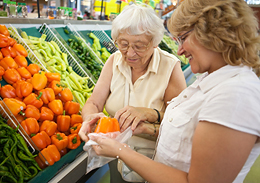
x=105 y=39
x=73 y=60
x=31 y=58
x=86 y=40
x=49 y=172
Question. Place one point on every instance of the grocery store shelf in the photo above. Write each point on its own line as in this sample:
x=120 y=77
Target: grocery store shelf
x=5 y=20
x=73 y=172
x=29 y=22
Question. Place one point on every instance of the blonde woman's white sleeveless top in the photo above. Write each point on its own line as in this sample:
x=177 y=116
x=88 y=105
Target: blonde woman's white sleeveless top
x=148 y=90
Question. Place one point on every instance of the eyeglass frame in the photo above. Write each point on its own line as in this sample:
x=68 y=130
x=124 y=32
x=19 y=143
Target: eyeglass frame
x=147 y=46
x=179 y=41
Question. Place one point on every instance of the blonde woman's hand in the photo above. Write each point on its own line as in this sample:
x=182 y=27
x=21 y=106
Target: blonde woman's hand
x=89 y=124
x=106 y=146
x=130 y=116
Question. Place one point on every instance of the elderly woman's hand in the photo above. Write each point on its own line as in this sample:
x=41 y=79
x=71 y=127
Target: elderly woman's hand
x=144 y=128
x=130 y=116
x=89 y=124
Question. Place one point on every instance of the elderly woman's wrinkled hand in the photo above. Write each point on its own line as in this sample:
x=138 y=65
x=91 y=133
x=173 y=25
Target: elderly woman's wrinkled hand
x=89 y=124
x=143 y=128
x=130 y=116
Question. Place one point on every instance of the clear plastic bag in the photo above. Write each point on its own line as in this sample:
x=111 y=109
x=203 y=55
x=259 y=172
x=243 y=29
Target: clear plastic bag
x=95 y=161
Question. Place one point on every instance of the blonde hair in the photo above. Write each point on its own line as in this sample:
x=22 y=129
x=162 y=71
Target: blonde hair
x=225 y=26
x=137 y=20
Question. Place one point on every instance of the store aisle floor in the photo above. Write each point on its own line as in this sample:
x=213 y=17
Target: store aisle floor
x=105 y=178
x=102 y=175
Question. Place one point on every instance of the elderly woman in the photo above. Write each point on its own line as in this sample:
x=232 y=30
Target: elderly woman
x=137 y=81
x=210 y=132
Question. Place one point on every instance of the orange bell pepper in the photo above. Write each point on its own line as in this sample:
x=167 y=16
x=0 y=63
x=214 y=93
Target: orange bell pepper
x=72 y=107
x=24 y=73
x=11 y=41
x=75 y=128
x=8 y=63
x=74 y=141
x=56 y=106
x=23 y=89
x=107 y=124
x=49 y=127
x=5 y=52
x=30 y=126
x=33 y=99
x=4 y=41
x=39 y=81
x=4 y=30
x=41 y=140
x=46 y=114
x=1 y=55
x=2 y=71
x=66 y=95
x=52 y=76
x=75 y=118
x=12 y=51
x=63 y=122
x=60 y=140
x=33 y=69
x=14 y=105
x=11 y=76
x=20 y=49
x=48 y=95
x=51 y=154
x=32 y=112
x=56 y=86
x=21 y=61
x=7 y=91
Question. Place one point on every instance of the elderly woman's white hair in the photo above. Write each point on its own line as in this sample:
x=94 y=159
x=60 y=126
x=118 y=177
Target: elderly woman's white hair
x=136 y=20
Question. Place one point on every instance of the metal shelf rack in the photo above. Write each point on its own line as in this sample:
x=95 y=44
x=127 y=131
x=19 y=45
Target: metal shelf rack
x=105 y=40
x=73 y=60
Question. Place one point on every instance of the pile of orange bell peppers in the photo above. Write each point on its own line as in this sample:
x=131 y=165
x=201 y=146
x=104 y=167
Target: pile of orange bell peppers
x=42 y=107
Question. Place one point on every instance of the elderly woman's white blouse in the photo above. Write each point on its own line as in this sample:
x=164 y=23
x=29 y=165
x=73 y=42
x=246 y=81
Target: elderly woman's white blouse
x=229 y=96
x=148 y=90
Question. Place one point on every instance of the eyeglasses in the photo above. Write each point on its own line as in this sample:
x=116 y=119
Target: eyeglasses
x=180 y=39
x=123 y=45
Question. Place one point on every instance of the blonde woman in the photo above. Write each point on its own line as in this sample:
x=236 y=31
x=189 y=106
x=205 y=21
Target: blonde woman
x=210 y=132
